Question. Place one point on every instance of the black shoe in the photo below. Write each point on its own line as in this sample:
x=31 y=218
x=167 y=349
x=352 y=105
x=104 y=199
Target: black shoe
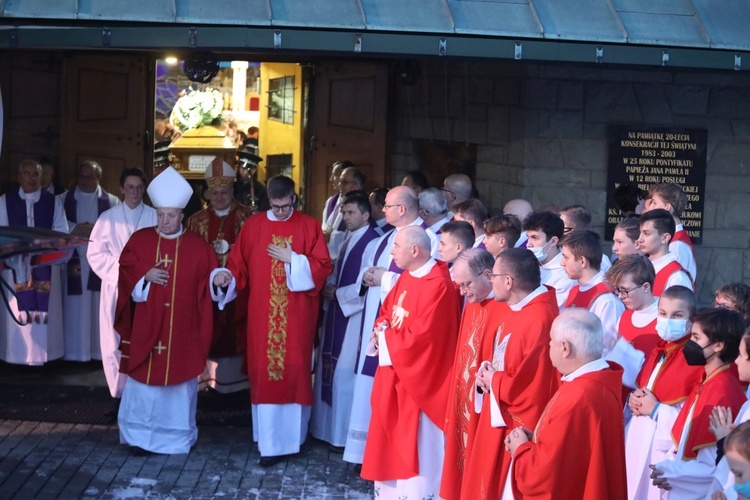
x=336 y=449
x=137 y=451
x=271 y=461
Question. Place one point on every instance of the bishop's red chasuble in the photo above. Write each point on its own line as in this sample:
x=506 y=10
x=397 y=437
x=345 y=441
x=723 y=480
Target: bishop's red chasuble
x=523 y=389
x=476 y=336
x=423 y=314
x=281 y=324
x=578 y=448
x=215 y=229
x=165 y=340
x=676 y=379
x=719 y=388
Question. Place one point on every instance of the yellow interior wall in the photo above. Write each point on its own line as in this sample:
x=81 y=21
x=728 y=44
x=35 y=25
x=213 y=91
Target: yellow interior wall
x=277 y=137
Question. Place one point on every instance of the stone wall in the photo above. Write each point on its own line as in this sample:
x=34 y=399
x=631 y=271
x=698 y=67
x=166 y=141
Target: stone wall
x=541 y=132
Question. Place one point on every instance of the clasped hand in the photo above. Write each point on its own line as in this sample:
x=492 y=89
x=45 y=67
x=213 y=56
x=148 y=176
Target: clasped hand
x=642 y=402
x=222 y=279
x=484 y=376
x=517 y=437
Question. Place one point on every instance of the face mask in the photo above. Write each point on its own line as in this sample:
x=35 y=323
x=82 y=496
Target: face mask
x=671 y=329
x=694 y=353
x=743 y=489
x=540 y=253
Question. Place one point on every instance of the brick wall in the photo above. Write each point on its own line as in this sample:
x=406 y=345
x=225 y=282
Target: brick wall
x=541 y=132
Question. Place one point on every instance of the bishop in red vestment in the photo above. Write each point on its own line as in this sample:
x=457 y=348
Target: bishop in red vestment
x=416 y=337
x=219 y=224
x=577 y=451
x=479 y=321
x=164 y=317
x=517 y=377
x=281 y=260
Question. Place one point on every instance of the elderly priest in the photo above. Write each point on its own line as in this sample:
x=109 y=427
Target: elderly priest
x=165 y=318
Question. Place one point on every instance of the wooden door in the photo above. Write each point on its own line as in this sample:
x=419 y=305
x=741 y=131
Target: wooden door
x=348 y=121
x=105 y=115
x=30 y=84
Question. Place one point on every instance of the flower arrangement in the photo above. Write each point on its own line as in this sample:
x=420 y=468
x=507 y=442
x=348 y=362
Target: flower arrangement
x=197 y=108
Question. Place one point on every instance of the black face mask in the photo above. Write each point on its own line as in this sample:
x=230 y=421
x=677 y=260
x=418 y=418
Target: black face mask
x=694 y=353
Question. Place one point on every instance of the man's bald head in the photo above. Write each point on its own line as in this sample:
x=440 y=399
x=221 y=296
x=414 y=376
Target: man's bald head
x=411 y=248
x=457 y=188
x=518 y=207
x=401 y=206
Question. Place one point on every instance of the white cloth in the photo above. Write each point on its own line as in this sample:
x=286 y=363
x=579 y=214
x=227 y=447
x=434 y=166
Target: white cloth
x=608 y=308
x=478 y=240
x=160 y=419
x=431 y=453
x=521 y=240
x=723 y=477
x=554 y=275
x=379 y=226
x=359 y=421
x=678 y=278
x=438 y=225
x=684 y=254
x=330 y=423
x=279 y=429
x=109 y=236
x=688 y=478
x=606 y=263
x=81 y=330
x=34 y=343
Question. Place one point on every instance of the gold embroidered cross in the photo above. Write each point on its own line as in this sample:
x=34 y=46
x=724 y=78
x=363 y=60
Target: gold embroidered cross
x=160 y=347
x=165 y=262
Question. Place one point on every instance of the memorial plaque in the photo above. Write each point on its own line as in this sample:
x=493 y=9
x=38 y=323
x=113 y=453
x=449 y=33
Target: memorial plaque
x=652 y=155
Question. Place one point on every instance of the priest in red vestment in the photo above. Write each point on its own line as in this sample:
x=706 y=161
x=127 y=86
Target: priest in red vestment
x=164 y=318
x=415 y=338
x=280 y=258
x=219 y=224
x=577 y=450
x=516 y=377
x=479 y=321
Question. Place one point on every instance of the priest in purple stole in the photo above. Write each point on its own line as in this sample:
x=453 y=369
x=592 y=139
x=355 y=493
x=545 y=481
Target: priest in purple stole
x=83 y=206
x=39 y=303
x=337 y=353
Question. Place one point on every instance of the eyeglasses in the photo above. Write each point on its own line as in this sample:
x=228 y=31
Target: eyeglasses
x=566 y=230
x=624 y=293
x=448 y=191
x=386 y=207
x=466 y=284
x=281 y=208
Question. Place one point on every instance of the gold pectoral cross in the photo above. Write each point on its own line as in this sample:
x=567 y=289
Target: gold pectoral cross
x=160 y=347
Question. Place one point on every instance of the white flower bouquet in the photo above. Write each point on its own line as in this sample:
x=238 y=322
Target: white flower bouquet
x=197 y=108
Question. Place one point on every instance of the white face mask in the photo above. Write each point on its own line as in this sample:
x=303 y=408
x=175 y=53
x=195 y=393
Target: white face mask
x=671 y=329
x=540 y=253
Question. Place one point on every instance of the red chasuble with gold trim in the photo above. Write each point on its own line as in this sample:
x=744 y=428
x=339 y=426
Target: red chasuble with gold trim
x=165 y=340
x=720 y=388
x=578 y=448
x=424 y=316
x=476 y=335
x=523 y=390
x=676 y=379
x=281 y=325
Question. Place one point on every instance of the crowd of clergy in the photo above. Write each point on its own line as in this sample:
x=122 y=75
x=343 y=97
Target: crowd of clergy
x=448 y=353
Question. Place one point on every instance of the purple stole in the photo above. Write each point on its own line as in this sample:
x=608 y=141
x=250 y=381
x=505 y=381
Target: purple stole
x=331 y=205
x=336 y=322
x=371 y=362
x=75 y=287
x=35 y=296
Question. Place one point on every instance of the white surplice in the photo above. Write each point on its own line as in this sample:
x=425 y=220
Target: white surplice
x=109 y=236
x=554 y=275
x=160 y=419
x=34 y=343
x=330 y=423
x=684 y=254
x=359 y=421
x=81 y=330
x=608 y=308
x=279 y=429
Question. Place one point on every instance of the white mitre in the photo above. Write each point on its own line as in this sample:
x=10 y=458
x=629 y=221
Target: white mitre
x=169 y=190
